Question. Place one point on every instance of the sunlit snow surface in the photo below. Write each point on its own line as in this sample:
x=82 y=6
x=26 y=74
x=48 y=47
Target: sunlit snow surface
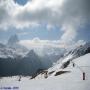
x=68 y=81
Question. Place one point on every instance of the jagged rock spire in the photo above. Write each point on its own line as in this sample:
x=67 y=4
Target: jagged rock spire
x=13 y=40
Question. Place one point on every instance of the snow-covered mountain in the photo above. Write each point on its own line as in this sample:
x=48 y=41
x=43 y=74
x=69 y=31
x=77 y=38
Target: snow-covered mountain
x=27 y=65
x=13 y=41
x=6 y=52
x=16 y=59
x=29 y=60
x=79 y=51
x=68 y=58
x=73 y=54
x=12 y=49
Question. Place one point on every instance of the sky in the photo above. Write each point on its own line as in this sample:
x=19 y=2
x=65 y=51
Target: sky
x=58 y=23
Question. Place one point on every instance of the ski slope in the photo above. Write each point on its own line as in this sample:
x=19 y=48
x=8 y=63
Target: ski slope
x=69 y=81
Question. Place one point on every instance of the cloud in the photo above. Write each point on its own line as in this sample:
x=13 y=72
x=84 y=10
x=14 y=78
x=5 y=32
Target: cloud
x=38 y=43
x=22 y=33
x=4 y=15
x=80 y=42
x=69 y=15
x=59 y=12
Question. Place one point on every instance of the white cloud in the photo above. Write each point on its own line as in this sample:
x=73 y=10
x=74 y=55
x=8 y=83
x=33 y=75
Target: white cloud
x=80 y=42
x=50 y=27
x=37 y=43
x=69 y=15
x=69 y=35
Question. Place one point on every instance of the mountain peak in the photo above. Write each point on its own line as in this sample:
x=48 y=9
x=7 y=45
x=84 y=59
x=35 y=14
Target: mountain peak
x=13 y=40
x=31 y=53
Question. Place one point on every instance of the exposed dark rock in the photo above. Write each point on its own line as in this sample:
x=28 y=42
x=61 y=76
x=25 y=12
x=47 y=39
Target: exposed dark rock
x=61 y=72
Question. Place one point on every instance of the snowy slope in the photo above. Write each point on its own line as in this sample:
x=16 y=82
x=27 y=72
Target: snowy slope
x=83 y=61
x=69 y=81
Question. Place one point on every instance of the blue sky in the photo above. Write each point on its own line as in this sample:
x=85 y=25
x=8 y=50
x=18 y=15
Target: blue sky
x=84 y=33
x=21 y=2
x=66 y=21
x=43 y=33
x=29 y=33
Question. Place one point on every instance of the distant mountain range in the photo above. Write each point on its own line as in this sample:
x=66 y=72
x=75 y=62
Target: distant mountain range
x=16 y=59
x=12 y=49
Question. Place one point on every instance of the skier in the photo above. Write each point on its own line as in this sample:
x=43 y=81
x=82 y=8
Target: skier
x=83 y=75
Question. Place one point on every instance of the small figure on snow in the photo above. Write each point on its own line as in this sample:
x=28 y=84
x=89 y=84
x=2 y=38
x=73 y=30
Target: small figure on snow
x=83 y=75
